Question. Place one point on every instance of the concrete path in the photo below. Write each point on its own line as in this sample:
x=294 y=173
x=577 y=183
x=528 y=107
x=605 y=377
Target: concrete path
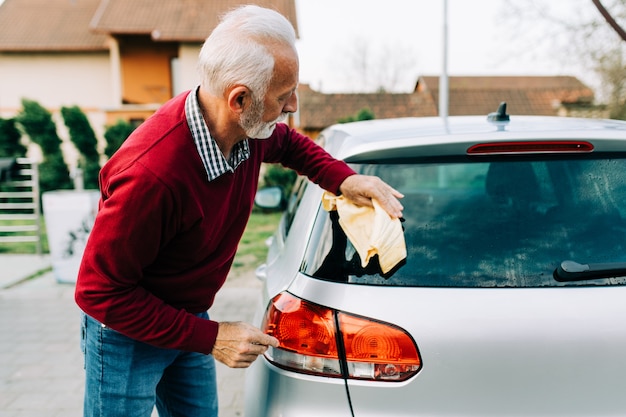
x=41 y=366
x=14 y=269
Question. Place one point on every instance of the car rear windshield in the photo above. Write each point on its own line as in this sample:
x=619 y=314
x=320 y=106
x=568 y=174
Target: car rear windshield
x=489 y=224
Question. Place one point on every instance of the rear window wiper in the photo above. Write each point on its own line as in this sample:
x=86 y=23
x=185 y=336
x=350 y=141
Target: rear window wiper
x=573 y=271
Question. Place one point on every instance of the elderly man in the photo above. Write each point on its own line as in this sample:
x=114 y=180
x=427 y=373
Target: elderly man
x=175 y=201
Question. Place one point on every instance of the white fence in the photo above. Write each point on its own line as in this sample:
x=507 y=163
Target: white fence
x=20 y=207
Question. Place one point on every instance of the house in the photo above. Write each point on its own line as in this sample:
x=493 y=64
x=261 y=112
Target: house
x=319 y=110
x=112 y=58
x=121 y=59
x=478 y=95
x=535 y=95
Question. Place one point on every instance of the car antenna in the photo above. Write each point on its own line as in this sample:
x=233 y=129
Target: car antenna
x=500 y=115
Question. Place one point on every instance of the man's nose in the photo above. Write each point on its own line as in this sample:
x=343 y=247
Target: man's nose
x=292 y=104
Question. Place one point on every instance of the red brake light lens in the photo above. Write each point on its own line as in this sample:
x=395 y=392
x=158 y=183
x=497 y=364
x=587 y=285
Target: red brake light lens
x=378 y=351
x=310 y=342
x=307 y=336
x=496 y=148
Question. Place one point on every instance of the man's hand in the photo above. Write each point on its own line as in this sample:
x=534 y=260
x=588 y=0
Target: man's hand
x=361 y=189
x=238 y=344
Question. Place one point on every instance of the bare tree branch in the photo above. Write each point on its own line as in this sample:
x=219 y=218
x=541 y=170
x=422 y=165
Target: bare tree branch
x=607 y=16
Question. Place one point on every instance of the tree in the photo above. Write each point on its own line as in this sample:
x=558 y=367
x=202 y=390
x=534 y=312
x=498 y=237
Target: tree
x=612 y=66
x=38 y=124
x=363 y=114
x=10 y=146
x=84 y=138
x=278 y=176
x=610 y=19
x=580 y=33
x=378 y=68
x=115 y=135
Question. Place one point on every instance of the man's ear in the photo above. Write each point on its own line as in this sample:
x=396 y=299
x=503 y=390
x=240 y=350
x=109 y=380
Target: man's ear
x=238 y=98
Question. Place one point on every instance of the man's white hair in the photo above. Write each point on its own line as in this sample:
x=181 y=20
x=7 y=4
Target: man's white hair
x=237 y=51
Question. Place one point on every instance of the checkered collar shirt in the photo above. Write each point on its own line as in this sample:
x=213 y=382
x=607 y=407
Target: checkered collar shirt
x=213 y=159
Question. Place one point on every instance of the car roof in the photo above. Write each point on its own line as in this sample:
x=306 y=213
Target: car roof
x=451 y=136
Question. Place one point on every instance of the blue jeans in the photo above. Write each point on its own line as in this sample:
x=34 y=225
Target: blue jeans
x=126 y=378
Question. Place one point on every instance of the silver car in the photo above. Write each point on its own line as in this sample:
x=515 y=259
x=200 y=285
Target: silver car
x=512 y=297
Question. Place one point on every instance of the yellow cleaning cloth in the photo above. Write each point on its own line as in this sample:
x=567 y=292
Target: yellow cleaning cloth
x=370 y=229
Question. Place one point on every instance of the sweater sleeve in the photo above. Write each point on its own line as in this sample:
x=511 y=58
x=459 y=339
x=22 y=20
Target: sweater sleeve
x=302 y=154
x=137 y=217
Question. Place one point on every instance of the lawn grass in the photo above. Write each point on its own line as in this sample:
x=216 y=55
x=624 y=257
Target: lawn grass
x=23 y=247
x=251 y=252
x=252 y=248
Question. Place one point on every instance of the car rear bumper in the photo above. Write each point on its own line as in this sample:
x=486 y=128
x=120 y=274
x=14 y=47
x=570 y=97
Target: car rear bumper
x=273 y=392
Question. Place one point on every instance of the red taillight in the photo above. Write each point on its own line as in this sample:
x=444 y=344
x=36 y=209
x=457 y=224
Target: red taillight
x=496 y=148
x=310 y=342
x=378 y=351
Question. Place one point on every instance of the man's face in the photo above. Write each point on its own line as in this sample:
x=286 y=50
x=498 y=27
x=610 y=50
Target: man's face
x=260 y=118
x=251 y=121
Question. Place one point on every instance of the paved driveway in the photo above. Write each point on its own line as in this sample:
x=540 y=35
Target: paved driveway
x=41 y=371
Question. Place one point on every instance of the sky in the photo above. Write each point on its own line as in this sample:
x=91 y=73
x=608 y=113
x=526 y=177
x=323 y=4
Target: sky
x=407 y=35
x=480 y=42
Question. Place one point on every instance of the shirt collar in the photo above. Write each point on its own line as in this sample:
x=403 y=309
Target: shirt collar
x=213 y=159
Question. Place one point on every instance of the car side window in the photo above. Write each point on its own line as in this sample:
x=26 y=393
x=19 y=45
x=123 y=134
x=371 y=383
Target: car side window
x=293 y=202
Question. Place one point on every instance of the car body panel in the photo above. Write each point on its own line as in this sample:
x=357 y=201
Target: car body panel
x=283 y=256
x=286 y=394
x=553 y=351
x=434 y=137
x=532 y=352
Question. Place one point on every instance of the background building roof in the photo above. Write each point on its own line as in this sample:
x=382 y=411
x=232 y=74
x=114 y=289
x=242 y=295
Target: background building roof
x=480 y=95
x=82 y=25
x=319 y=110
x=174 y=20
x=538 y=95
x=49 y=25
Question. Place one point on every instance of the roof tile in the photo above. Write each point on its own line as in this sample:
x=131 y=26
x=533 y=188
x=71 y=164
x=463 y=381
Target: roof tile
x=174 y=20
x=531 y=95
x=82 y=25
x=536 y=95
x=49 y=25
x=319 y=110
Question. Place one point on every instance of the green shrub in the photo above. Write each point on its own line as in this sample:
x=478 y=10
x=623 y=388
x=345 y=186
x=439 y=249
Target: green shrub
x=115 y=135
x=10 y=146
x=618 y=112
x=84 y=138
x=38 y=125
x=278 y=176
x=363 y=114
x=53 y=173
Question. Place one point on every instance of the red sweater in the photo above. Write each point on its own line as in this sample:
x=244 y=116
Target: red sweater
x=165 y=237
